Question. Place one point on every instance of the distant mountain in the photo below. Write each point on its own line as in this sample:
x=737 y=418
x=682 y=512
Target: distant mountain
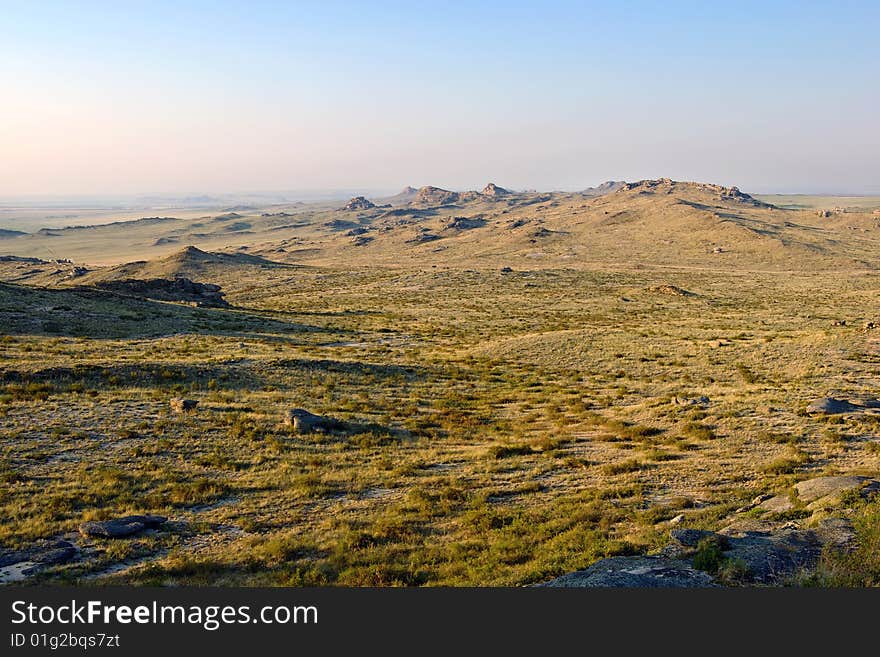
x=604 y=188
x=406 y=195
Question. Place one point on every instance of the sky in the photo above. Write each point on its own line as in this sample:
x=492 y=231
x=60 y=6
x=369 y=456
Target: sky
x=218 y=97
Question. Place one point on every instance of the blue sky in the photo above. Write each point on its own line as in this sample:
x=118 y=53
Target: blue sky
x=109 y=97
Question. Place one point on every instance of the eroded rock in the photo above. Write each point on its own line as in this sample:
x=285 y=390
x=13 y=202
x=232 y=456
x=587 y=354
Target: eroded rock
x=120 y=527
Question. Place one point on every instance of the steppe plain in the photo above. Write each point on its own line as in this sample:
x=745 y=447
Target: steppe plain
x=525 y=383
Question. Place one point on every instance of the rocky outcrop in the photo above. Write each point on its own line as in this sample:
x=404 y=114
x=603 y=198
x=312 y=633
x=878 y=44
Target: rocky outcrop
x=423 y=237
x=464 y=223
x=358 y=203
x=666 y=185
x=636 y=572
x=429 y=196
x=120 y=527
x=205 y=295
x=752 y=549
x=698 y=558
x=495 y=191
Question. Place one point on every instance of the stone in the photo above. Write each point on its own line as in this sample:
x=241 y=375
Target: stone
x=820 y=487
x=635 y=572
x=46 y=552
x=120 y=527
x=772 y=557
x=303 y=421
x=180 y=405
x=777 y=504
x=838 y=533
x=831 y=406
x=690 y=537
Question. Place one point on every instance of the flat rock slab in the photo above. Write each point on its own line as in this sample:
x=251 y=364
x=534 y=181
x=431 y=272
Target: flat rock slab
x=42 y=552
x=690 y=537
x=832 y=406
x=778 y=504
x=120 y=527
x=814 y=489
x=635 y=572
x=771 y=557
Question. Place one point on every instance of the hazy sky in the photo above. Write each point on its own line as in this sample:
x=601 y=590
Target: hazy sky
x=144 y=97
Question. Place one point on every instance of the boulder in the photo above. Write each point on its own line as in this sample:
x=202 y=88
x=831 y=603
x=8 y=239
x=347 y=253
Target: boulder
x=180 y=405
x=303 y=421
x=120 y=527
x=635 y=572
x=47 y=552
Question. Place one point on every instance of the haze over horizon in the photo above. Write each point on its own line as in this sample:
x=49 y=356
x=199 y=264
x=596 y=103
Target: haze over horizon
x=219 y=98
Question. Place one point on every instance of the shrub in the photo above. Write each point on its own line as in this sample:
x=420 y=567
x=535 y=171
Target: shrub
x=622 y=467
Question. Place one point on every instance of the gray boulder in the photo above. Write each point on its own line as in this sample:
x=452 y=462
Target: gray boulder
x=120 y=527
x=303 y=421
x=47 y=552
